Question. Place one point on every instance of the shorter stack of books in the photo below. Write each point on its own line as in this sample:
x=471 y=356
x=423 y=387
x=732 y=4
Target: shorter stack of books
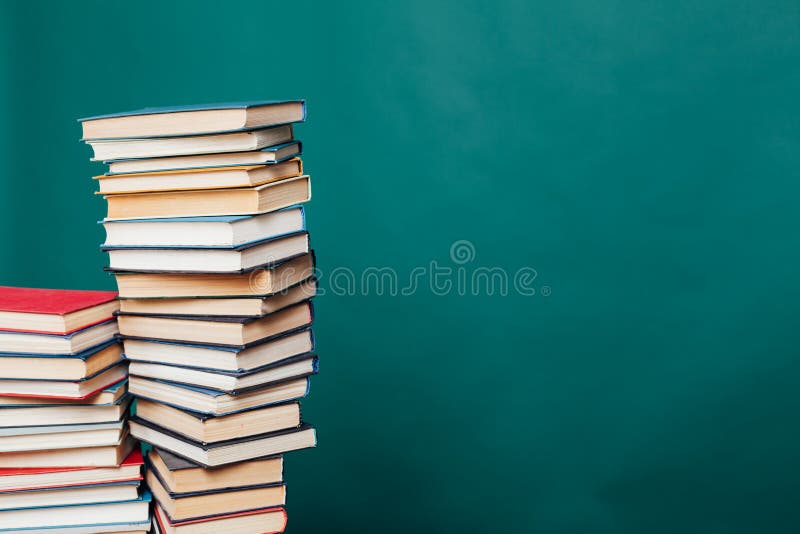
x=67 y=461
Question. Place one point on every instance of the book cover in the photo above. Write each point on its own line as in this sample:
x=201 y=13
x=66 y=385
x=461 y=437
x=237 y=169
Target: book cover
x=50 y=301
x=273 y=149
x=239 y=248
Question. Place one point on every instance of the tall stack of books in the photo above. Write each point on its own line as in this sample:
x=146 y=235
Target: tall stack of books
x=67 y=461
x=208 y=244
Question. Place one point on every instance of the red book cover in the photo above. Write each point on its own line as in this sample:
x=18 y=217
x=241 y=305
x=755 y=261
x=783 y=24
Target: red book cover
x=133 y=459
x=50 y=301
x=58 y=302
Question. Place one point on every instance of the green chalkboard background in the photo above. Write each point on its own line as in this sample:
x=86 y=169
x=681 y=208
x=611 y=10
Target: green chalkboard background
x=643 y=157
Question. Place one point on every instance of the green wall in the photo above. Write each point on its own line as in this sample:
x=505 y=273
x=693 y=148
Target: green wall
x=642 y=156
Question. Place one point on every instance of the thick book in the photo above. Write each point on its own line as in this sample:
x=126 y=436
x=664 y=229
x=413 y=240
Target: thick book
x=195 y=505
x=196 y=119
x=53 y=311
x=230 y=231
x=130 y=511
x=67 y=496
x=234 y=383
x=78 y=389
x=238 y=259
x=215 y=402
x=210 y=429
x=182 y=476
x=221 y=307
x=225 y=452
x=211 y=202
x=103 y=456
x=189 y=145
x=21 y=479
x=64 y=414
x=261 y=282
x=266 y=156
x=17 y=343
x=106 y=397
x=226 y=331
x=191 y=179
x=221 y=358
x=61 y=367
x=271 y=520
x=40 y=438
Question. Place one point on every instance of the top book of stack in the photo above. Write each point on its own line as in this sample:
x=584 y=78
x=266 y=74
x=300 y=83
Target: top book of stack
x=193 y=120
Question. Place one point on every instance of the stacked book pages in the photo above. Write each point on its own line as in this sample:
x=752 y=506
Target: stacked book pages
x=67 y=460
x=208 y=244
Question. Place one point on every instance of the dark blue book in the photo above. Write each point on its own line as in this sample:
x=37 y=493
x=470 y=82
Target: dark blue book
x=197 y=119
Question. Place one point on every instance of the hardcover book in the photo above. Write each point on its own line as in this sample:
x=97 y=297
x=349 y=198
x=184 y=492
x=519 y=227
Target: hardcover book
x=196 y=119
x=272 y=520
x=19 y=479
x=53 y=311
x=214 y=402
x=231 y=260
x=241 y=332
x=207 y=357
x=61 y=366
x=220 y=231
x=224 y=452
x=260 y=282
x=233 y=383
x=190 y=145
x=18 y=343
x=190 y=179
x=182 y=476
x=211 y=202
x=266 y=156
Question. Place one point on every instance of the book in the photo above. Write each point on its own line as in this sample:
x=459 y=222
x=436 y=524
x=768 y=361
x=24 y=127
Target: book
x=220 y=358
x=19 y=479
x=15 y=343
x=224 y=452
x=53 y=311
x=131 y=511
x=266 y=156
x=215 y=402
x=256 y=306
x=207 y=178
x=196 y=505
x=105 y=528
x=204 y=231
x=182 y=476
x=108 y=396
x=261 y=282
x=211 y=202
x=196 y=119
x=157 y=147
x=64 y=414
x=228 y=331
x=78 y=390
x=241 y=258
x=234 y=382
x=61 y=367
x=103 y=456
x=272 y=520
x=40 y=438
x=100 y=493
x=210 y=429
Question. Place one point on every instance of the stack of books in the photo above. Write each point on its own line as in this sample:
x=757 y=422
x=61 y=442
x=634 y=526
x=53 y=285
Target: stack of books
x=209 y=247
x=67 y=461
